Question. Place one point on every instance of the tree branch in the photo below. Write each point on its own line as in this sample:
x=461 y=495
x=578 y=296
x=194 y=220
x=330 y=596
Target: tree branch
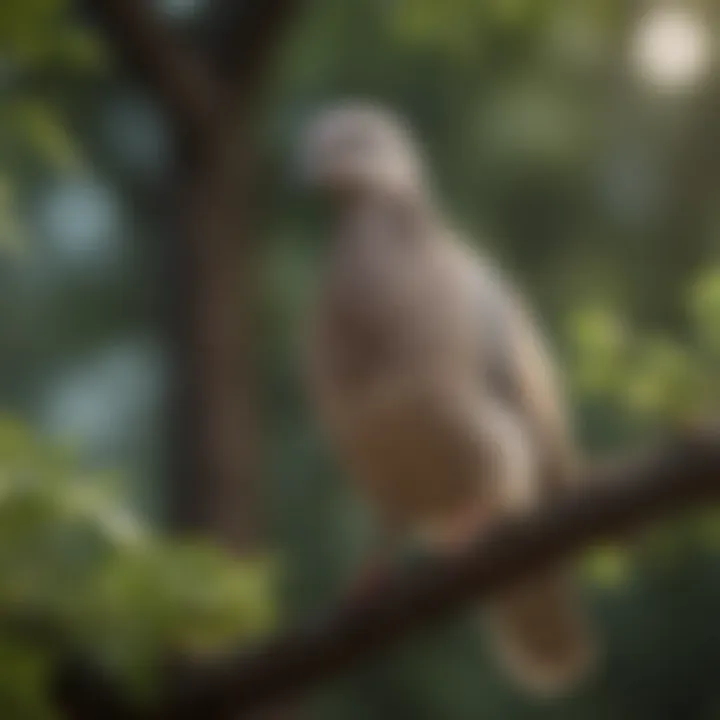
x=178 y=78
x=611 y=500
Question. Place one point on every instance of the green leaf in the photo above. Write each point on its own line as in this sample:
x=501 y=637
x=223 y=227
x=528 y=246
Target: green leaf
x=608 y=566
x=45 y=134
x=704 y=304
x=600 y=343
x=664 y=382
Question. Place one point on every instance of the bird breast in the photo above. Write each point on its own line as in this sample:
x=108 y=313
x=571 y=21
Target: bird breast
x=395 y=312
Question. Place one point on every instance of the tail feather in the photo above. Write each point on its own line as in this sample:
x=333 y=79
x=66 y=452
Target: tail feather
x=542 y=636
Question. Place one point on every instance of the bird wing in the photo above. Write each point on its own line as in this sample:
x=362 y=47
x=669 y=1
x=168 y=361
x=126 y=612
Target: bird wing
x=521 y=374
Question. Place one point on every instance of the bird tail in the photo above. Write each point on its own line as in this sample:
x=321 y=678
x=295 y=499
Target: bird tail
x=541 y=634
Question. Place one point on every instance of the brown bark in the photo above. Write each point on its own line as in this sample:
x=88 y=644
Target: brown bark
x=215 y=448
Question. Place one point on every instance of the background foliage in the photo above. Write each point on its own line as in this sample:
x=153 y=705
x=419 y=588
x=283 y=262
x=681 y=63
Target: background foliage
x=591 y=175
x=82 y=575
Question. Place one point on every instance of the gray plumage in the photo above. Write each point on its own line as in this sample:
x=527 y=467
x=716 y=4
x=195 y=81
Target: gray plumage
x=433 y=383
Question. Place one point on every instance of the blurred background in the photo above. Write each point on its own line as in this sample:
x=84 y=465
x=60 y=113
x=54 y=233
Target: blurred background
x=580 y=141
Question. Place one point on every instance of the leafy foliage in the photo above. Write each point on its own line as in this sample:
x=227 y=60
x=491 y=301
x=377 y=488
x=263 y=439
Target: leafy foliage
x=654 y=378
x=37 y=34
x=79 y=572
x=41 y=42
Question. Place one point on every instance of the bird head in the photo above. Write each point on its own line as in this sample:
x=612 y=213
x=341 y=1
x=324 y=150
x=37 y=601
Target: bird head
x=360 y=147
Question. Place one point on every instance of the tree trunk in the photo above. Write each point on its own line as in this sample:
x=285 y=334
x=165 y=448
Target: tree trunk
x=215 y=429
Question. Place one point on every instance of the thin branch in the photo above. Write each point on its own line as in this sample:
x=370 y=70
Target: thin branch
x=612 y=500
x=175 y=74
